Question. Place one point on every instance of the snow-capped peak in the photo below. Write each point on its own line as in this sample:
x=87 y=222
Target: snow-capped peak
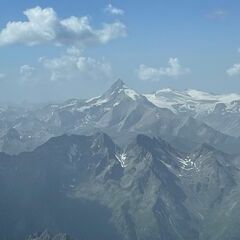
x=117 y=93
x=191 y=100
x=131 y=93
x=119 y=84
x=119 y=88
x=223 y=98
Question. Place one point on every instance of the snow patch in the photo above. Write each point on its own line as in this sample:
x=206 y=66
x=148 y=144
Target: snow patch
x=187 y=164
x=131 y=93
x=122 y=158
x=192 y=100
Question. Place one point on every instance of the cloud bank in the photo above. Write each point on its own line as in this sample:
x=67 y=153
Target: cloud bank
x=43 y=26
x=70 y=66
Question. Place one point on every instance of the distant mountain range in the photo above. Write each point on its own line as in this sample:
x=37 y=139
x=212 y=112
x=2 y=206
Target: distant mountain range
x=123 y=165
x=186 y=119
x=218 y=111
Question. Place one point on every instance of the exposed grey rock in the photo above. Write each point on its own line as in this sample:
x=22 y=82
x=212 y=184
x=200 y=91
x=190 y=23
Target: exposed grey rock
x=90 y=188
x=48 y=236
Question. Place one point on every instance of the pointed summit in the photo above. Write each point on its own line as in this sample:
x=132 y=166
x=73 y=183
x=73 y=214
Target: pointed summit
x=119 y=84
x=119 y=88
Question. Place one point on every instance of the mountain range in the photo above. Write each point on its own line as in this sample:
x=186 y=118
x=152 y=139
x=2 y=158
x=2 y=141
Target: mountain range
x=185 y=119
x=219 y=111
x=124 y=165
x=90 y=188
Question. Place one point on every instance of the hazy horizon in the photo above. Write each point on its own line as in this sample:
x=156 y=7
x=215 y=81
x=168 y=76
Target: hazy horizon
x=43 y=101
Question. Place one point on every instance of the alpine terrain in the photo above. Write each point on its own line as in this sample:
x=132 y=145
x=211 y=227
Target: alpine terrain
x=123 y=165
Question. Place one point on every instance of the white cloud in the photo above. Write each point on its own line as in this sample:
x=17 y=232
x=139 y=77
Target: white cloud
x=44 y=26
x=234 y=70
x=73 y=66
x=113 y=10
x=26 y=73
x=174 y=70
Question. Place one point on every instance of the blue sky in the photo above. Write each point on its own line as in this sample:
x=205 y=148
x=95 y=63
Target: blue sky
x=149 y=44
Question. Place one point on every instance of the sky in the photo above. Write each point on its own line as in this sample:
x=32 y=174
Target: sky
x=52 y=50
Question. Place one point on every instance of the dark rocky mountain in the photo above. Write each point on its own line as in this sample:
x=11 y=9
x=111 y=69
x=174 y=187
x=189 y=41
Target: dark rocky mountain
x=37 y=188
x=213 y=192
x=89 y=188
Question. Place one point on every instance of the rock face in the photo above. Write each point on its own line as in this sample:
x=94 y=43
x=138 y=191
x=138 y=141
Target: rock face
x=47 y=236
x=192 y=133
x=89 y=188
